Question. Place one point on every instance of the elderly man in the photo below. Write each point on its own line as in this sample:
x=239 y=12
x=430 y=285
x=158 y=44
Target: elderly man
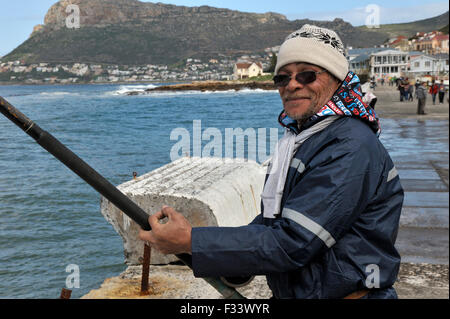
x=332 y=198
x=421 y=93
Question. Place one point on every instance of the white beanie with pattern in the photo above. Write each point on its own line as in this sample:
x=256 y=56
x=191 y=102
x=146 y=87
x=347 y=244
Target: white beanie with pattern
x=315 y=45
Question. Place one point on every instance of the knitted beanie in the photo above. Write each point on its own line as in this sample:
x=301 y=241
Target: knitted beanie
x=315 y=45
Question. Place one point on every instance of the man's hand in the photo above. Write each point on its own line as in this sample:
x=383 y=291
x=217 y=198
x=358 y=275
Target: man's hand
x=173 y=237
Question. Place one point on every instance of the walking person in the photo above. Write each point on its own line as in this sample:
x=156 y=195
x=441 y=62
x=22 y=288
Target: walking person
x=421 y=93
x=401 y=88
x=416 y=85
x=332 y=198
x=411 y=93
x=434 y=90
x=441 y=92
x=373 y=83
x=406 y=86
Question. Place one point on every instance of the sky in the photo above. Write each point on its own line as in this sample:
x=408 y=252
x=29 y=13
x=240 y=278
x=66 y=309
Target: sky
x=18 y=17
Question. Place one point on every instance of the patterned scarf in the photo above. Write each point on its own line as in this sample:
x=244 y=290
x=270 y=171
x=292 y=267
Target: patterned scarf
x=346 y=101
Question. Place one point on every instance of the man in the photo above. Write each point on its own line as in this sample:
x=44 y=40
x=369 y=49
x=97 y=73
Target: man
x=441 y=92
x=406 y=86
x=416 y=85
x=411 y=92
x=421 y=93
x=401 y=88
x=434 y=90
x=373 y=83
x=332 y=198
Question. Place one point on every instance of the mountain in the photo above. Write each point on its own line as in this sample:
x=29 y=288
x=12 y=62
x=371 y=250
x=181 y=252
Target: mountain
x=444 y=29
x=133 y=32
x=411 y=28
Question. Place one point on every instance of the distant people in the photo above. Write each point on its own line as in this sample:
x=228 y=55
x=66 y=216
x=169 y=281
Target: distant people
x=401 y=88
x=441 y=92
x=406 y=85
x=422 y=98
x=416 y=85
x=411 y=93
x=373 y=83
x=370 y=99
x=434 y=90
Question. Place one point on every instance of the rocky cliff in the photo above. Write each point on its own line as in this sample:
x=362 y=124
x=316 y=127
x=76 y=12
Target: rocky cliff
x=110 y=12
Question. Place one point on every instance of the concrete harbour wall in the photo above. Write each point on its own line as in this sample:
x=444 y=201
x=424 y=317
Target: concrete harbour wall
x=207 y=191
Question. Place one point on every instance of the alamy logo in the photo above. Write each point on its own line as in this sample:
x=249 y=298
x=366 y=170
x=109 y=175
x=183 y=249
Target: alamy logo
x=73 y=19
x=373 y=276
x=373 y=19
x=233 y=144
x=73 y=280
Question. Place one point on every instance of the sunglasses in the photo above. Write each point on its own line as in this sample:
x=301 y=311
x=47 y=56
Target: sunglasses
x=303 y=78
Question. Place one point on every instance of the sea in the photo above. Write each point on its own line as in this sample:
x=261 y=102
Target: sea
x=50 y=220
x=51 y=227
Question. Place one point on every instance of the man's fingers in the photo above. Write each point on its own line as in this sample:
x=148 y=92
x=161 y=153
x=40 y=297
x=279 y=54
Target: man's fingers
x=172 y=237
x=145 y=235
x=153 y=219
x=168 y=211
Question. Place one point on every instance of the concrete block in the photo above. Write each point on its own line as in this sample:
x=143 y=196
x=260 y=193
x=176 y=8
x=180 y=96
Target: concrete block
x=207 y=191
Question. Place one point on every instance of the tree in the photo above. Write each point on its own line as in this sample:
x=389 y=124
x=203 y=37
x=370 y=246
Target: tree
x=273 y=64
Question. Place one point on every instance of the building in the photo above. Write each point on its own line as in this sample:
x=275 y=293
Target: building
x=359 y=59
x=360 y=64
x=442 y=66
x=430 y=43
x=439 y=43
x=433 y=65
x=388 y=63
x=245 y=70
x=399 y=43
x=422 y=65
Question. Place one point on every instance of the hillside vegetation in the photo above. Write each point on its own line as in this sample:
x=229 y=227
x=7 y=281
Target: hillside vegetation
x=129 y=32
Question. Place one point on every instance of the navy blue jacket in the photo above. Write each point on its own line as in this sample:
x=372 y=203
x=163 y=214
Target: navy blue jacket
x=337 y=229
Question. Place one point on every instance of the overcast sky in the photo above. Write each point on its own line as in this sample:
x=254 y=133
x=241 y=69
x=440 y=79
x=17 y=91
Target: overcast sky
x=18 y=17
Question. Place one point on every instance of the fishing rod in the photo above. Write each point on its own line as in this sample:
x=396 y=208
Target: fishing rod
x=104 y=187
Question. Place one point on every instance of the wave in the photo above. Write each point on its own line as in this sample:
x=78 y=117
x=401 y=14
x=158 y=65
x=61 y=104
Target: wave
x=17 y=95
x=60 y=93
x=125 y=89
x=194 y=92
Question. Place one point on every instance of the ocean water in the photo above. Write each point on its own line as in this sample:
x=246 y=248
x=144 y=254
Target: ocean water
x=50 y=219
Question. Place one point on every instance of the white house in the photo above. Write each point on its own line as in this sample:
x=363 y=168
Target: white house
x=442 y=62
x=422 y=65
x=389 y=63
x=246 y=70
x=429 y=65
x=359 y=59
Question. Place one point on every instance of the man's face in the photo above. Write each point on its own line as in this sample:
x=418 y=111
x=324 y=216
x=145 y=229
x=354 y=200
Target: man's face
x=303 y=101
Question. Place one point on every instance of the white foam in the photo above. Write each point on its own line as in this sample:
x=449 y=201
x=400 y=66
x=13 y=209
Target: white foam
x=125 y=89
x=61 y=93
x=193 y=92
